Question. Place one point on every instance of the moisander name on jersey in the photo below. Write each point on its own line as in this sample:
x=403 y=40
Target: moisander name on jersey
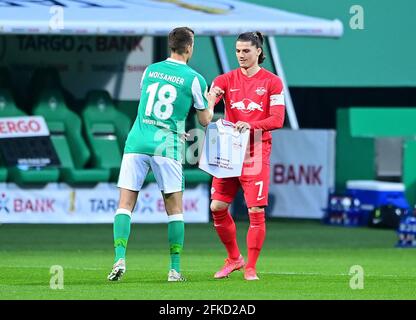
x=166 y=77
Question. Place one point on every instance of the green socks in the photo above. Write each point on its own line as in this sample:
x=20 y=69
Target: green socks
x=121 y=233
x=176 y=234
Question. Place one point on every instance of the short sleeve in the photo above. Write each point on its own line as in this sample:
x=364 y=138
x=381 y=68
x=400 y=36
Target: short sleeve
x=220 y=82
x=277 y=95
x=199 y=93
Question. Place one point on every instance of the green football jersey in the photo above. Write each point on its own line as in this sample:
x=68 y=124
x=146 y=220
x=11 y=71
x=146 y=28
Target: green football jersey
x=168 y=90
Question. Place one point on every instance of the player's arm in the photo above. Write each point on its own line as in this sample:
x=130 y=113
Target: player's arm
x=212 y=97
x=276 y=117
x=205 y=116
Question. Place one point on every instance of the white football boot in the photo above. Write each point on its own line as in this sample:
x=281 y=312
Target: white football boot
x=175 y=276
x=119 y=268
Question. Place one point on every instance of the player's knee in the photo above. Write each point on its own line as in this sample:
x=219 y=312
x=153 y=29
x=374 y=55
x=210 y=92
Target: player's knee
x=128 y=199
x=171 y=210
x=256 y=209
x=127 y=203
x=218 y=206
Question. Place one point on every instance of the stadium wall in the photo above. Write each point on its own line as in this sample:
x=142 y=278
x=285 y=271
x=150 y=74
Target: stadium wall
x=380 y=55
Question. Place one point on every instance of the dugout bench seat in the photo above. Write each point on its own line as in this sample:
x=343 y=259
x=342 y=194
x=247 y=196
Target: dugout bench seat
x=106 y=130
x=65 y=129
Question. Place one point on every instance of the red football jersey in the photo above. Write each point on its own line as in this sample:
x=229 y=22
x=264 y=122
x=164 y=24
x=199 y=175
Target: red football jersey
x=249 y=99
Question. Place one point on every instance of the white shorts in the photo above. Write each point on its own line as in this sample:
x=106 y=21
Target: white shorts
x=135 y=166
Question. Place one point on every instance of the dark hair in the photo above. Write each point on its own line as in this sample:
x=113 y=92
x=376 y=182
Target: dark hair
x=180 y=38
x=256 y=38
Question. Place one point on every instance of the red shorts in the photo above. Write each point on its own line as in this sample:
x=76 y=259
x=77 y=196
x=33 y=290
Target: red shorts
x=254 y=181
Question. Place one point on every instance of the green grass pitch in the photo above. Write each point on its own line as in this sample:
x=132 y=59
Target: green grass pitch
x=300 y=260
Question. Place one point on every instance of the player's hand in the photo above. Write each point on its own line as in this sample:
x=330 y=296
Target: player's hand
x=184 y=136
x=242 y=126
x=215 y=92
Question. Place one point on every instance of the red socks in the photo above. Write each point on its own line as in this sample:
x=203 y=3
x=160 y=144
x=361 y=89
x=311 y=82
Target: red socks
x=255 y=237
x=225 y=226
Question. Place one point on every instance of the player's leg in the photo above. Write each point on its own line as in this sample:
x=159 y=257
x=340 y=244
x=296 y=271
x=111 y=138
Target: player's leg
x=255 y=239
x=176 y=233
x=223 y=192
x=256 y=190
x=225 y=227
x=122 y=221
x=133 y=171
x=169 y=176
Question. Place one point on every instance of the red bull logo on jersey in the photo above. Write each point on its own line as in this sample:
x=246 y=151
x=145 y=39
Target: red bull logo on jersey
x=246 y=106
